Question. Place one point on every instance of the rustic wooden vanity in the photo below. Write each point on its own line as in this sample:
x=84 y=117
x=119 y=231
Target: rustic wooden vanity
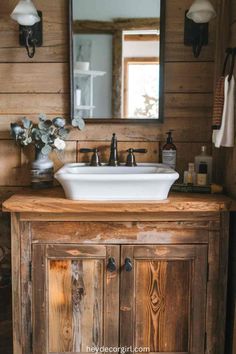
x=119 y=274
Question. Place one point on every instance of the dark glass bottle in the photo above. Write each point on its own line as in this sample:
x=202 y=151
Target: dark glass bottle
x=169 y=151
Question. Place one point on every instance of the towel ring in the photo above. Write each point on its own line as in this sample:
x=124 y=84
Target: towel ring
x=228 y=53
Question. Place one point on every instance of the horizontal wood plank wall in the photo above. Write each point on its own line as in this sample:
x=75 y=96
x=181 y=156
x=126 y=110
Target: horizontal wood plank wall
x=227 y=156
x=30 y=86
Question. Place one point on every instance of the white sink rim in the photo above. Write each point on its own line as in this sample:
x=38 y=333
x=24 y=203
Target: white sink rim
x=143 y=182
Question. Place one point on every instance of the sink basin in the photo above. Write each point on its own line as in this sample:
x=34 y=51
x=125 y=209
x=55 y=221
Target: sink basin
x=143 y=182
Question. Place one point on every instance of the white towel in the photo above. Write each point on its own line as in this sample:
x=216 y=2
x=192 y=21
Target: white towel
x=225 y=135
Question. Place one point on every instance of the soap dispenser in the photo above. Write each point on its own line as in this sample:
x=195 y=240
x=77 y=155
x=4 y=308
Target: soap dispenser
x=169 y=151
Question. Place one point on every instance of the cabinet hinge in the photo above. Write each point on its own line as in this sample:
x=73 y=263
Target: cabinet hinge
x=31 y=342
x=205 y=342
x=30 y=271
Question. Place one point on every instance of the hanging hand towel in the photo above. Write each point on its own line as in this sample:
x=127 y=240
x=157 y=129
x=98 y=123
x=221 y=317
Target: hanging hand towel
x=218 y=106
x=225 y=135
x=218 y=103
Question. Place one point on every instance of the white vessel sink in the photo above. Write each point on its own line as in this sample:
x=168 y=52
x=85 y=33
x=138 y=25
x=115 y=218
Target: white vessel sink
x=143 y=182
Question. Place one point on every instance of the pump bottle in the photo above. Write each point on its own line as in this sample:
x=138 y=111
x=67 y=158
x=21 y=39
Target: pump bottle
x=169 y=151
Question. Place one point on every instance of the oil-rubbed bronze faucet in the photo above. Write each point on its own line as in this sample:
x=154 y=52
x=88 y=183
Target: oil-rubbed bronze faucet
x=131 y=157
x=95 y=159
x=113 y=160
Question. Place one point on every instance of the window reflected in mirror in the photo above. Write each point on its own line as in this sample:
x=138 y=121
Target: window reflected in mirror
x=141 y=74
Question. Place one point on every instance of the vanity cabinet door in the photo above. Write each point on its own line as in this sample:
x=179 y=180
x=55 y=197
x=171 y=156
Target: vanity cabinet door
x=163 y=298
x=75 y=298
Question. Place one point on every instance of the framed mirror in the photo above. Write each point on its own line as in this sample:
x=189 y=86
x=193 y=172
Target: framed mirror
x=117 y=60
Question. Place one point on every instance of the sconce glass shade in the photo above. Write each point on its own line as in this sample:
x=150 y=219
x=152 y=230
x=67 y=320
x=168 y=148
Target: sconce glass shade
x=201 y=11
x=25 y=13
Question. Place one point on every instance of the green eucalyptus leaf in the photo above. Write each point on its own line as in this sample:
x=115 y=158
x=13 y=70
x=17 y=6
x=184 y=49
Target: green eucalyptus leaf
x=45 y=138
x=59 y=122
x=16 y=130
x=81 y=124
x=74 y=123
x=63 y=133
x=41 y=126
x=26 y=123
x=46 y=149
x=42 y=117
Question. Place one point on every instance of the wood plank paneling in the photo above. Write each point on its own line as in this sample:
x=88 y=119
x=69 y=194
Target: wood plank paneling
x=24 y=104
x=191 y=105
x=175 y=52
x=50 y=54
x=156 y=321
x=34 y=78
x=189 y=77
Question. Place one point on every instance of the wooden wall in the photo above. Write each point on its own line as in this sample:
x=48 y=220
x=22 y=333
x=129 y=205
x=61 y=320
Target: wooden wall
x=227 y=156
x=28 y=87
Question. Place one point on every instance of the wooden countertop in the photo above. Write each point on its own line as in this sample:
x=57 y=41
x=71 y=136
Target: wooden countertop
x=54 y=201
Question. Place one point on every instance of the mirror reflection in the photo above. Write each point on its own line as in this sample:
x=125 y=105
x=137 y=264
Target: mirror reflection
x=116 y=59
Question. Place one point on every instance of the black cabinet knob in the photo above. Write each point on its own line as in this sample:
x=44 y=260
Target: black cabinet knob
x=128 y=265
x=111 y=265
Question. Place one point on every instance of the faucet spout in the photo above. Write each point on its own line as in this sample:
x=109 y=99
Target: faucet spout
x=113 y=160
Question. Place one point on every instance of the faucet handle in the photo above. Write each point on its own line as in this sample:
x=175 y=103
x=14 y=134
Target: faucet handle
x=141 y=151
x=131 y=157
x=95 y=159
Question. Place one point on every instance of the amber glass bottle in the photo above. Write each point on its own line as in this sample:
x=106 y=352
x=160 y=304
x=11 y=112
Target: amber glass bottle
x=169 y=151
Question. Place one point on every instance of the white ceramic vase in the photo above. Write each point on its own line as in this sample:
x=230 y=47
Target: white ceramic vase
x=42 y=171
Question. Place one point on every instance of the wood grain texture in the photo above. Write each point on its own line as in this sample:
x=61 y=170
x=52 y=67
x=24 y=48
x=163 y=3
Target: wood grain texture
x=117 y=232
x=39 y=335
x=226 y=157
x=26 y=288
x=30 y=78
x=59 y=303
x=79 y=317
x=191 y=77
x=5 y=286
x=223 y=279
x=156 y=283
x=16 y=285
x=117 y=58
x=152 y=315
x=41 y=202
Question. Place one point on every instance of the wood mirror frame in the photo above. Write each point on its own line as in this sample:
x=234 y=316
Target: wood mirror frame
x=116 y=28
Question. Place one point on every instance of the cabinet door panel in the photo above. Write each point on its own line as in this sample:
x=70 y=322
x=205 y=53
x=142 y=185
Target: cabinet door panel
x=76 y=296
x=163 y=310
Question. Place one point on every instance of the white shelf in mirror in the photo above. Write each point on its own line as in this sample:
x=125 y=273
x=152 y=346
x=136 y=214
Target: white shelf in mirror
x=92 y=73
x=84 y=108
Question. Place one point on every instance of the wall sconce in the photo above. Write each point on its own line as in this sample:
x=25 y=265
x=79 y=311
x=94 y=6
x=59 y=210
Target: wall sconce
x=196 y=25
x=30 y=21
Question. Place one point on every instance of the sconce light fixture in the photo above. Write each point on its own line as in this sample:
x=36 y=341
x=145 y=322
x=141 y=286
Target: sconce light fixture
x=30 y=21
x=196 y=25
